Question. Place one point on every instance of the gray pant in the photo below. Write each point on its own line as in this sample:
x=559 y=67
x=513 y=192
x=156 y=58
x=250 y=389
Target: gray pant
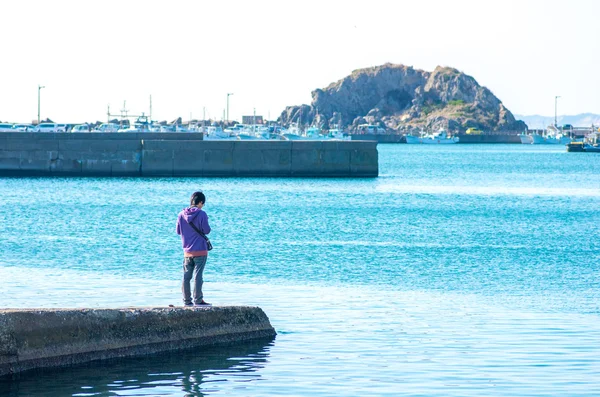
x=193 y=267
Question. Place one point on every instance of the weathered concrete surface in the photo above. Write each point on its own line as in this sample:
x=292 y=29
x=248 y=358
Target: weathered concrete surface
x=150 y=154
x=37 y=338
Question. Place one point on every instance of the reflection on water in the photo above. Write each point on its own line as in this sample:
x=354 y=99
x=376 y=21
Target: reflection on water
x=196 y=372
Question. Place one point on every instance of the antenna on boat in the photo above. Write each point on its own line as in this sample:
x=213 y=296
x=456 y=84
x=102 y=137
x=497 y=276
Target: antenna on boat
x=555 y=111
x=124 y=110
x=150 y=115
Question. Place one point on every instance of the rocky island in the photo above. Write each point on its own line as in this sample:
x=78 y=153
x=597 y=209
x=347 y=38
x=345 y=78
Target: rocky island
x=403 y=99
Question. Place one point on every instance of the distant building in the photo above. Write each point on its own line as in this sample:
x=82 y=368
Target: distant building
x=250 y=119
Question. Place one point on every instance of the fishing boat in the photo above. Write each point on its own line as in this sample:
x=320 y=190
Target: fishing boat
x=107 y=127
x=338 y=134
x=441 y=137
x=141 y=124
x=526 y=139
x=370 y=129
x=215 y=132
x=550 y=136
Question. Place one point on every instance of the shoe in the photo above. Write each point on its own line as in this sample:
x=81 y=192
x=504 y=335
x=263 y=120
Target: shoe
x=202 y=303
x=188 y=305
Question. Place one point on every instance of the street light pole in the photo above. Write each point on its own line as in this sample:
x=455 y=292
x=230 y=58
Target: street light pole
x=228 y=95
x=555 y=112
x=39 y=89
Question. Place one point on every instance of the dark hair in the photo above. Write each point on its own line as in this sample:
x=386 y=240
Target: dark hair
x=197 y=197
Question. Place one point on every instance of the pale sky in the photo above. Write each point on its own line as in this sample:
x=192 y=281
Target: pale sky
x=189 y=54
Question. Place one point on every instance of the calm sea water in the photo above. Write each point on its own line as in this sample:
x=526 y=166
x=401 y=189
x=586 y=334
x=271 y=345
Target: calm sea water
x=463 y=270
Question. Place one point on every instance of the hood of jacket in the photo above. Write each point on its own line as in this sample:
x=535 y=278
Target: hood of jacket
x=190 y=213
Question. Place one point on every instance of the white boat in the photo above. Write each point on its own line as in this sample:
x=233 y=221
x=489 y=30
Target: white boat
x=234 y=130
x=214 y=133
x=441 y=137
x=370 y=129
x=141 y=124
x=526 y=139
x=19 y=128
x=183 y=128
x=293 y=133
x=194 y=127
x=107 y=127
x=81 y=128
x=313 y=133
x=253 y=132
x=338 y=134
x=288 y=136
x=267 y=132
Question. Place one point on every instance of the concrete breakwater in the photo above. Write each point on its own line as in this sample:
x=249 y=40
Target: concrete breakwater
x=166 y=154
x=379 y=138
x=38 y=338
x=463 y=138
x=489 y=138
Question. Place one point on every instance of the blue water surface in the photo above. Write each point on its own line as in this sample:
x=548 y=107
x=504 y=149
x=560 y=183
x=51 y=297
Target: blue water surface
x=463 y=270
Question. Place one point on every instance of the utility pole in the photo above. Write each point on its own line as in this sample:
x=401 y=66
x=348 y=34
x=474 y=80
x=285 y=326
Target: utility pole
x=228 y=95
x=555 y=110
x=39 y=89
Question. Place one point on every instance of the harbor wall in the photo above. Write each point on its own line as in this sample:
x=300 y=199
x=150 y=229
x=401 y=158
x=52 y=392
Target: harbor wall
x=169 y=154
x=489 y=138
x=464 y=138
x=39 y=338
x=379 y=138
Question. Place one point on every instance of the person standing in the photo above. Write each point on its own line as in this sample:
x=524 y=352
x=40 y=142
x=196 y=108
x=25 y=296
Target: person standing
x=195 y=249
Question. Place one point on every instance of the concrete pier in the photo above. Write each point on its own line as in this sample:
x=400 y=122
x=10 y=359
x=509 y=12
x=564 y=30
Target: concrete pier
x=38 y=338
x=166 y=154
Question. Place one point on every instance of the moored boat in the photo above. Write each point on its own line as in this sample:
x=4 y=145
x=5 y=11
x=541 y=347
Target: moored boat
x=215 y=133
x=583 y=147
x=550 y=136
x=441 y=137
x=526 y=139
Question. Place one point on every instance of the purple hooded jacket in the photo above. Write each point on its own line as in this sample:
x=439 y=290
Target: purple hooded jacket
x=193 y=243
